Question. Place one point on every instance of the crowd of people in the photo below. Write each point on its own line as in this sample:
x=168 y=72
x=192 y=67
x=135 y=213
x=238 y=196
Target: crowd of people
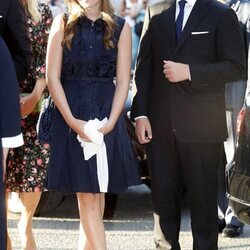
x=190 y=64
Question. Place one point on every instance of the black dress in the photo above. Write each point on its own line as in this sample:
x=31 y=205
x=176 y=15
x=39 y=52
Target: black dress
x=88 y=73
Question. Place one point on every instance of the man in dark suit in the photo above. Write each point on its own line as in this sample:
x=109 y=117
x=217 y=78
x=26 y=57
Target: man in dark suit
x=10 y=128
x=179 y=109
x=14 y=30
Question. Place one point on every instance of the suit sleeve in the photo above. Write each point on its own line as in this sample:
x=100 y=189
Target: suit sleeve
x=10 y=125
x=143 y=76
x=17 y=38
x=230 y=63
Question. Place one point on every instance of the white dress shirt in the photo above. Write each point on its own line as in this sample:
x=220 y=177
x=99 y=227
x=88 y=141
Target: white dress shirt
x=187 y=10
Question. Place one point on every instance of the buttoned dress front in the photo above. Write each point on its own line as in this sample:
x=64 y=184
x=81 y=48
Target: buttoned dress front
x=87 y=77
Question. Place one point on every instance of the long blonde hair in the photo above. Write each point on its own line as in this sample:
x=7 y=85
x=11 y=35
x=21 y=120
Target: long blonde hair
x=32 y=9
x=75 y=10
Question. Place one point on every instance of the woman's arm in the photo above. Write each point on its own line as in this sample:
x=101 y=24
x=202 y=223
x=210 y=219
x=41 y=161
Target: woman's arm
x=5 y=155
x=29 y=102
x=123 y=71
x=54 y=65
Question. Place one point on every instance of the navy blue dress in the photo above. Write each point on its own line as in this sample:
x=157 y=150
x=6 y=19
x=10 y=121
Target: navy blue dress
x=87 y=78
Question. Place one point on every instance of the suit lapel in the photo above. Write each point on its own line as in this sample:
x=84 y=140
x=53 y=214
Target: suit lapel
x=198 y=12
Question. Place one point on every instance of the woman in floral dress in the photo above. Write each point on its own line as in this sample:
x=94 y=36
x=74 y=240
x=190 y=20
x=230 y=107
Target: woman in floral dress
x=26 y=165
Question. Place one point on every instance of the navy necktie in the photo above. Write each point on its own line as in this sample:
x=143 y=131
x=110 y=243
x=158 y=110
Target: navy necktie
x=179 y=20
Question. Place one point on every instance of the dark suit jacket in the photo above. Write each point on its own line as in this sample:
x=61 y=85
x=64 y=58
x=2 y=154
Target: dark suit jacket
x=14 y=29
x=194 y=110
x=9 y=121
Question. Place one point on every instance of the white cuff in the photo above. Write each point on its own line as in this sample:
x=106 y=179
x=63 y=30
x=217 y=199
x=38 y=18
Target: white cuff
x=139 y=117
x=12 y=142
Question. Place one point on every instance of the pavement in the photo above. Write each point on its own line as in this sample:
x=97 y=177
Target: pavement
x=131 y=227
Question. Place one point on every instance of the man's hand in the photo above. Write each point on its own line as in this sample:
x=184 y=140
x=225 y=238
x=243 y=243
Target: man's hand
x=176 y=72
x=143 y=130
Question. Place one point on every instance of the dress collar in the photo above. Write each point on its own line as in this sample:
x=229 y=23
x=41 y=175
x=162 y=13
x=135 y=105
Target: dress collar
x=84 y=19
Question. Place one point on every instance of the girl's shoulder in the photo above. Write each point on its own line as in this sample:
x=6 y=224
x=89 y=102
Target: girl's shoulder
x=120 y=21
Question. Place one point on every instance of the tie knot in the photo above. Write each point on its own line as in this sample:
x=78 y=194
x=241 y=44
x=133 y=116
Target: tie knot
x=182 y=4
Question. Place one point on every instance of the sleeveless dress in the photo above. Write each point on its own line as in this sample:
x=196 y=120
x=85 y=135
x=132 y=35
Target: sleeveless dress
x=87 y=77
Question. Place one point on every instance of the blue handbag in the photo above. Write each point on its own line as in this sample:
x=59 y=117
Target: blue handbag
x=44 y=124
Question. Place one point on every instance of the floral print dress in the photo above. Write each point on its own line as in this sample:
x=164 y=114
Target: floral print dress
x=26 y=165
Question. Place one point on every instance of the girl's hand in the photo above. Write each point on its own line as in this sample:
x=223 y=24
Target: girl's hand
x=108 y=127
x=78 y=126
x=28 y=104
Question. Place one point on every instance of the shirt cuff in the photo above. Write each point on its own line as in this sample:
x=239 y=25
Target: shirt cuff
x=248 y=100
x=139 y=117
x=12 y=142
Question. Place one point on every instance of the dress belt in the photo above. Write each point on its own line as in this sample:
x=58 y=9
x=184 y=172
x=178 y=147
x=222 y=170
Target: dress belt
x=87 y=79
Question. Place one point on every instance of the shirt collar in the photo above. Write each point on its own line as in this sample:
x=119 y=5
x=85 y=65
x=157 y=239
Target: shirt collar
x=190 y=2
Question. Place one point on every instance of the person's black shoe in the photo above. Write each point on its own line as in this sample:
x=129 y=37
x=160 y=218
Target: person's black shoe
x=232 y=231
x=221 y=225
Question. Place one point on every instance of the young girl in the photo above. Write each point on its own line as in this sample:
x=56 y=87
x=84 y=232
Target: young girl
x=87 y=49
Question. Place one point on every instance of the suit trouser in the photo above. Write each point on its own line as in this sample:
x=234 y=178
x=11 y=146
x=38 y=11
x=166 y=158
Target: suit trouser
x=173 y=166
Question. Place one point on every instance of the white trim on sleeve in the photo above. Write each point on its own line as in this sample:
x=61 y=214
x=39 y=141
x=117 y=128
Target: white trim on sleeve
x=12 y=142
